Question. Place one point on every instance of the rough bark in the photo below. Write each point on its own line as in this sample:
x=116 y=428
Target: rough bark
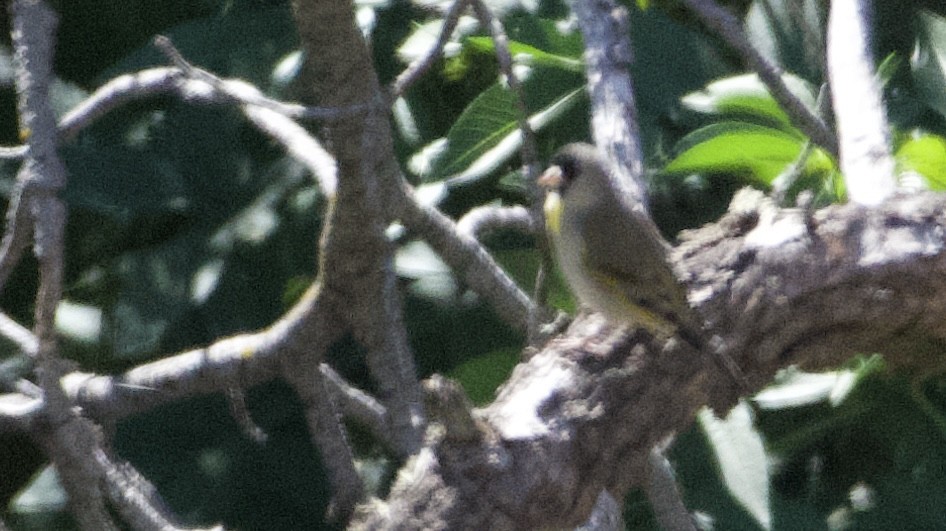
x=778 y=287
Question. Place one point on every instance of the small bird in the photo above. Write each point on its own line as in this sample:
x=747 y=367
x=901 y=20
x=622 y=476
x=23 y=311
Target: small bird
x=614 y=259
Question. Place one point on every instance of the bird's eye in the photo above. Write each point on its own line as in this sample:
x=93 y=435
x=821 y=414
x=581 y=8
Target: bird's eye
x=569 y=167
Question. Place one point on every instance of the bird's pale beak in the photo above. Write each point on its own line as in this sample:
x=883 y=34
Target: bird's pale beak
x=551 y=178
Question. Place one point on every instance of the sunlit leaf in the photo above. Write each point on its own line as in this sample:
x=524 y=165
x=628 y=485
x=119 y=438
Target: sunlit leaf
x=525 y=54
x=737 y=147
x=742 y=460
x=431 y=278
x=799 y=389
x=925 y=155
x=746 y=95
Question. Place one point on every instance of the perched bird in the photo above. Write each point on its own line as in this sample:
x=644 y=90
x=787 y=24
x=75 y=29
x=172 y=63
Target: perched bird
x=614 y=259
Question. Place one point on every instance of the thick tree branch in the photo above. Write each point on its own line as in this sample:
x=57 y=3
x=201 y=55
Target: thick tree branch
x=70 y=441
x=357 y=266
x=781 y=287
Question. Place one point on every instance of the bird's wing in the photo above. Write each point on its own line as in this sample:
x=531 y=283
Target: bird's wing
x=633 y=253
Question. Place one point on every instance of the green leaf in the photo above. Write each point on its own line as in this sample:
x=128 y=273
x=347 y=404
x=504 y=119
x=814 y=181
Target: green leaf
x=924 y=154
x=742 y=460
x=800 y=409
x=523 y=265
x=737 y=147
x=529 y=55
x=747 y=96
x=545 y=34
x=486 y=135
x=670 y=59
x=483 y=124
x=888 y=68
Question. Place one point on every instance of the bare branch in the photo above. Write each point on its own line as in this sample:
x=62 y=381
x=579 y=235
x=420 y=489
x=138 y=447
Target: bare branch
x=240 y=412
x=418 y=68
x=19 y=412
x=614 y=125
x=530 y=162
x=17 y=236
x=239 y=361
x=471 y=261
x=484 y=219
x=203 y=88
x=242 y=361
x=866 y=157
x=357 y=264
x=357 y=405
x=19 y=334
x=298 y=143
x=328 y=435
x=115 y=93
x=136 y=499
x=13 y=152
x=238 y=91
x=69 y=441
x=664 y=494
x=198 y=86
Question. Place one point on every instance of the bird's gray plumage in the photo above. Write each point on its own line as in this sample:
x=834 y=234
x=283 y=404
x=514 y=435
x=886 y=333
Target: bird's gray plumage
x=616 y=247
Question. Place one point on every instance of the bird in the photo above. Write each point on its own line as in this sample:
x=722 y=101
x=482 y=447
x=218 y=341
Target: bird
x=613 y=258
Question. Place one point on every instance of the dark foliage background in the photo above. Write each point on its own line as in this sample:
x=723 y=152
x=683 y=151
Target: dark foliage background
x=187 y=225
